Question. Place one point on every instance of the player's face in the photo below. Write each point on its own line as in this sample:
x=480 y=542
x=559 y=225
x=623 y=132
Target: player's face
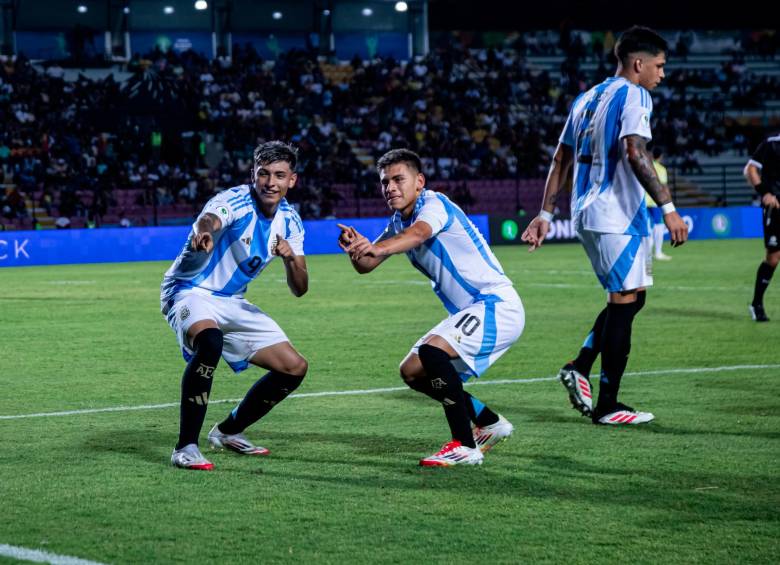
x=272 y=181
x=651 y=70
x=401 y=185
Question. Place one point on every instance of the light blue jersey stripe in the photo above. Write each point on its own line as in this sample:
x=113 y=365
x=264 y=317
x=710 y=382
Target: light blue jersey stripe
x=222 y=247
x=467 y=226
x=441 y=253
x=488 y=338
x=613 y=282
x=611 y=136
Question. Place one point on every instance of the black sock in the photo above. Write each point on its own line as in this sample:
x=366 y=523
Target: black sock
x=479 y=413
x=641 y=298
x=763 y=276
x=266 y=393
x=591 y=347
x=443 y=384
x=196 y=385
x=615 y=347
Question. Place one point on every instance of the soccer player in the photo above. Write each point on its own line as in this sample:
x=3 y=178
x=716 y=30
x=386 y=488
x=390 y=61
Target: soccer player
x=763 y=173
x=605 y=140
x=238 y=233
x=485 y=313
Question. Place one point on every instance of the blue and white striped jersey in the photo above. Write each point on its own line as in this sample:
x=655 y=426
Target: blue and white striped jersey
x=456 y=258
x=607 y=197
x=242 y=247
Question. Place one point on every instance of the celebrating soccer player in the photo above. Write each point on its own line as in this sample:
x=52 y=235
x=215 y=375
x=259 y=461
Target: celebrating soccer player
x=485 y=313
x=238 y=233
x=605 y=140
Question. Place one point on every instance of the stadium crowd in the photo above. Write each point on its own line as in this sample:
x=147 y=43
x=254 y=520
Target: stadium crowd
x=183 y=127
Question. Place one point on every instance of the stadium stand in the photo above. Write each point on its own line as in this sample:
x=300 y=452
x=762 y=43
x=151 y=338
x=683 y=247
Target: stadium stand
x=89 y=146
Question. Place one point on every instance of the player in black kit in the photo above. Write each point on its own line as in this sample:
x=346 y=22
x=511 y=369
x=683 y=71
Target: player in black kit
x=763 y=173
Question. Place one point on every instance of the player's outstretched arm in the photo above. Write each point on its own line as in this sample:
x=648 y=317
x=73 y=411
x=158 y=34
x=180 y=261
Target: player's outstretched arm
x=642 y=165
x=203 y=240
x=294 y=266
x=350 y=236
x=537 y=230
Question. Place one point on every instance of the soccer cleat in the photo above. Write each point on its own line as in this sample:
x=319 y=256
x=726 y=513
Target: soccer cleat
x=757 y=313
x=623 y=414
x=578 y=387
x=190 y=457
x=662 y=257
x=234 y=442
x=453 y=453
x=487 y=437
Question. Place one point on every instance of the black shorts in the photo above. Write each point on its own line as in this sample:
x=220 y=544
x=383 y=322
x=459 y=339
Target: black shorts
x=772 y=229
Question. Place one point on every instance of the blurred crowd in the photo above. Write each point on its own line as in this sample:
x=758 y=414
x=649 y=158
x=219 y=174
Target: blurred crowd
x=184 y=127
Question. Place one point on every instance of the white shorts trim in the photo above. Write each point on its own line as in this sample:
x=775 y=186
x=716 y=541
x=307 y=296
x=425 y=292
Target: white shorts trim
x=621 y=261
x=480 y=334
x=246 y=328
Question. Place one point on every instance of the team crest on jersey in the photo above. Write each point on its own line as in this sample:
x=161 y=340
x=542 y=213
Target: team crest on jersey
x=185 y=313
x=247 y=240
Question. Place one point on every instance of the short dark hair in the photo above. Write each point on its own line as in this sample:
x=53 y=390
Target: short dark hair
x=639 y=39
x=273 y=151
x=400 y=156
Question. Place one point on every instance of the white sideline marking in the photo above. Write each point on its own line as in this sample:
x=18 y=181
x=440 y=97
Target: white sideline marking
x=388 y=389
x=24 y=554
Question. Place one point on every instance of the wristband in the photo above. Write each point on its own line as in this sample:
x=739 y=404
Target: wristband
x=546 y=216
x=668 y=208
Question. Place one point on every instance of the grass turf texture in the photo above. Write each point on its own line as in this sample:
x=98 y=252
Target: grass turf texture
x=342 y=485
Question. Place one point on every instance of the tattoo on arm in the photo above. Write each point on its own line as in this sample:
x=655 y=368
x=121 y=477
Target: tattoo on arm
x=642 y=165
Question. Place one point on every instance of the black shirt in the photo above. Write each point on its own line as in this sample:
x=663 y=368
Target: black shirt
x=767 y=156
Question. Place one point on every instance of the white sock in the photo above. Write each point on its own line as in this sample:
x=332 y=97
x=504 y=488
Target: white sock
x=658 y=238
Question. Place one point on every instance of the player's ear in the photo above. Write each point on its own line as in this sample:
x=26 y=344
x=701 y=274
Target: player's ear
x=420 y=181
x=293 y=179
x=637 y=64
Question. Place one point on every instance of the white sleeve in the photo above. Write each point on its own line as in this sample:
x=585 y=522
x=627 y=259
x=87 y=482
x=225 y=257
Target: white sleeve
x=434 y=214
x=295 y=233
x=221 y=208
x=637 y=110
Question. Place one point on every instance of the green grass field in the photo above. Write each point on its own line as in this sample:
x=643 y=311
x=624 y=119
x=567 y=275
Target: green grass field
x=698 y=485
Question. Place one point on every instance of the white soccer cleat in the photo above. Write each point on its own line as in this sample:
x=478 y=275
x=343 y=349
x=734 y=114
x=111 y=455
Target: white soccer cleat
x=662 y=257
x=625 y=415
x=453 y=453
x=578 y=387
x=489 y=436
x=190 y=457
x=234 y=442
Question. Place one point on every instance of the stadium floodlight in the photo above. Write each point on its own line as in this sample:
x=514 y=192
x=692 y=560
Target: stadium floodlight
x=168 y=10
x=367 y=12
x=326 y=12
x=201 y=5
x=401 y=6
x=81 y=9
x=277 y=15
x=126 y=9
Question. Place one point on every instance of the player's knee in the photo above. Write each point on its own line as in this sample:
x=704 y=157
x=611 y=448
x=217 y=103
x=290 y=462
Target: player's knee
x=297 y=367
x=772 y=259
x=208 y=343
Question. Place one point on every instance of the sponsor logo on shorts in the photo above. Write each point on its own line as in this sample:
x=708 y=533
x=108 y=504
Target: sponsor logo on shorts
x=773 y=241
